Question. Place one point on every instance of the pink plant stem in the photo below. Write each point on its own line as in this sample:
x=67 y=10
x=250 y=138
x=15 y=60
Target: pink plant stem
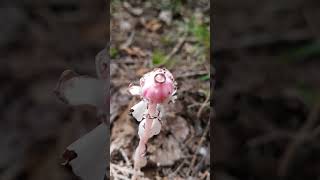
x=151 y=112
x=145 y=137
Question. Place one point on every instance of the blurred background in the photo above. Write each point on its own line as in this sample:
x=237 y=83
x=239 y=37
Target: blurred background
x=38 y=41
x=266 y=56
x=162 y=33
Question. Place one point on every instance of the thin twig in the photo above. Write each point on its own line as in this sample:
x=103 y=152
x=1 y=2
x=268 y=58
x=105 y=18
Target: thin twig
x=128 y=41
x=198 y=147
x=204 y=104
x=277 y=135
x=177 y=170
x=205 y=175
x=117 y=176
x=124 y=169
x=298 y=141
x=191 y=74
x=177 y=47
x=124 y=155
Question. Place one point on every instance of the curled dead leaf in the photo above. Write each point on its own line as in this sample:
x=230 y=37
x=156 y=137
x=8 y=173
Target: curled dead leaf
x=152 y=25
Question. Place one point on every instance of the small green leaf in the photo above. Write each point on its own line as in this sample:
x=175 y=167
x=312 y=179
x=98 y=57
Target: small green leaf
x=113 y=53
x=309 y=95
x=308 y=50
x=205 y=77
x=200 y=32
x=158 y=58
x=302 y=53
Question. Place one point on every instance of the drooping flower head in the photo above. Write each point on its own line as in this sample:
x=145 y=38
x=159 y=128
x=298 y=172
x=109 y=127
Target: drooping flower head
x=156 y=86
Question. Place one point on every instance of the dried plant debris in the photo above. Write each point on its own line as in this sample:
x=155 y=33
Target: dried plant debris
x=166 y=153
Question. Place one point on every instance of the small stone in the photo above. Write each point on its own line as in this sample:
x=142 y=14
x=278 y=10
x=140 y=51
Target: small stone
x=133 y=10
x=166 y=16
x=125 y=26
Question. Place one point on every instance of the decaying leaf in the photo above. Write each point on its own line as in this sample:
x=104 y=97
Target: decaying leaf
x=133 y=10
x=152 y=25
x=123 y=132
x=179 y=128
x=135 y=51
x=168 y=154
x=88 y=155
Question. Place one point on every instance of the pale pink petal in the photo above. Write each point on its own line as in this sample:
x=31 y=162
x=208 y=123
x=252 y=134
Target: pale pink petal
x=134 y=90
x=155 y=128
x=138 y=110
x=80 y=90
x=173 y=98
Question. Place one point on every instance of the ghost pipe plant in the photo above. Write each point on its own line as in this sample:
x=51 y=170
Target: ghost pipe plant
x=88 y=156
x=157 y=88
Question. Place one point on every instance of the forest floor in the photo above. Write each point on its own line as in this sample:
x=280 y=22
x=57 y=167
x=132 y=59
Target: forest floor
x=176 y=35
x=266 y=55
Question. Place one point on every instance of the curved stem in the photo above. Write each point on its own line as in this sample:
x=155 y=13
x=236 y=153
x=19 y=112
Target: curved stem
x=149 y=121
x=141 y=149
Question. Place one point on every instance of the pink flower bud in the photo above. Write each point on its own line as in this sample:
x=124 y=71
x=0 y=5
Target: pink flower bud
x=157 y=85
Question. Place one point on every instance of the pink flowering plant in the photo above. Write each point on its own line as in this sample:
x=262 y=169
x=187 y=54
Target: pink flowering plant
x=87 y=156
x=156 y=89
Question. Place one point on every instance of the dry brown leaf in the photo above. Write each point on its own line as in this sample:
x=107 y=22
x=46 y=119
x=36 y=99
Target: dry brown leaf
x=153 y=25
x=179 y=128
x=133 y=10
x=135 y=51
x=142 y=71
x=168 y=154
x=122 y=132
